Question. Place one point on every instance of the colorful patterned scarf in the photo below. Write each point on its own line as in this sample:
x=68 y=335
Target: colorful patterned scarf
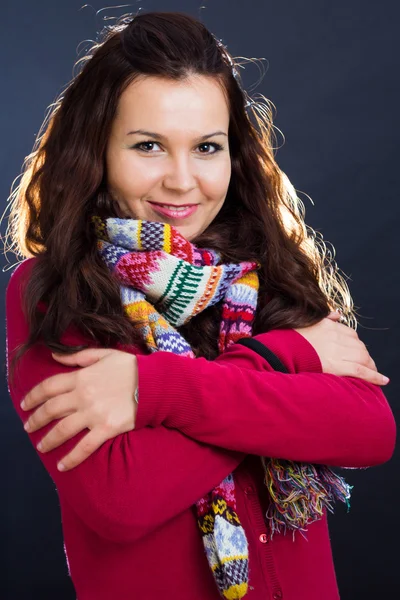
x=165 y=281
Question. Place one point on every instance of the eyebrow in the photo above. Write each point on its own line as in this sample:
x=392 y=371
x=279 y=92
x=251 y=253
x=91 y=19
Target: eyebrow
x=158 y=136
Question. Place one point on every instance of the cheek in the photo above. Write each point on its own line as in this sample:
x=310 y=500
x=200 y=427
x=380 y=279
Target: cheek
x=216 y=180
x=128 y=177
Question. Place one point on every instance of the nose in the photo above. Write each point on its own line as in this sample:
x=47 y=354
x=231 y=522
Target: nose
x=180 y=177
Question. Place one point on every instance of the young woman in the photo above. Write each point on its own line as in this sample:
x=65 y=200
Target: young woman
x=159 y=232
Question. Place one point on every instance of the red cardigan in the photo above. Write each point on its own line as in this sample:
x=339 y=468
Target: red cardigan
x=127 y=511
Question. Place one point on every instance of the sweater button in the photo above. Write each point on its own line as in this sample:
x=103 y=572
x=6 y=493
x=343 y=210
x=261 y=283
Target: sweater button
x=248 y=490
x=263 y=538
x=278 y=595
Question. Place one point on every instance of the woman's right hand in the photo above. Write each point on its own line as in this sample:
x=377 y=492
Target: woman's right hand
x=340 y=350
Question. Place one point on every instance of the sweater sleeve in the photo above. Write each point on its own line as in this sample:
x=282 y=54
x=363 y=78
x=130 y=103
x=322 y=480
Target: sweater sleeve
x=123 y=491
x=238 y=402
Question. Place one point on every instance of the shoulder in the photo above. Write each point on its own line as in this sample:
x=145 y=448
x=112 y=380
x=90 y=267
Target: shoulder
x=19 y=275
x=16 y=317
x=21 y=271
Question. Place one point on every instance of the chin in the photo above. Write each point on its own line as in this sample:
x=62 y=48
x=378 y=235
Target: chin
x=187 y=231
x=190 y=232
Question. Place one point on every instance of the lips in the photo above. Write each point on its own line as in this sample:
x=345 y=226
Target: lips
x=174 y=212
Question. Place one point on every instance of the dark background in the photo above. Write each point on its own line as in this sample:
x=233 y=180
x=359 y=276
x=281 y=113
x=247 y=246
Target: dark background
x=333 y=76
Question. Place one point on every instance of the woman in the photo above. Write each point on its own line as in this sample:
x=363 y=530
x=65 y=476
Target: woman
x=159 y=231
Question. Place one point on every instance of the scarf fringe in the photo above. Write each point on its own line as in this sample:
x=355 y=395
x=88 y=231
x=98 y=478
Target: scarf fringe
x=300 y=492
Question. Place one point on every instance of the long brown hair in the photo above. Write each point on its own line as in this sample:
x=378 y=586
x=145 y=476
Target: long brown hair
x=64 y=182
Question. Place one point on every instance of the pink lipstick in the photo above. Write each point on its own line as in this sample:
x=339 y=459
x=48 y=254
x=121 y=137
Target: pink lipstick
x=174 y=212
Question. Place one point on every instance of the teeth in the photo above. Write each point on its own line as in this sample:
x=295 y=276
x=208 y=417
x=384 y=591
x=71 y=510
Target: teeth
x=175 y=208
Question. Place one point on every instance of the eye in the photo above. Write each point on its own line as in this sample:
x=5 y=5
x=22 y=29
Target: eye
x=139 y=146
x=216 y=146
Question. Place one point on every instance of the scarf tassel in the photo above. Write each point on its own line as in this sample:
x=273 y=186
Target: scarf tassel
x=300 y=493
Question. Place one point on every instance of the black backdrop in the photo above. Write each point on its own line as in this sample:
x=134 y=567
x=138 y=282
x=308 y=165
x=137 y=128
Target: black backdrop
x=333 y=76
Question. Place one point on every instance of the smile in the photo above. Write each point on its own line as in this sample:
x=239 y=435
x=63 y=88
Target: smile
x=174 y=212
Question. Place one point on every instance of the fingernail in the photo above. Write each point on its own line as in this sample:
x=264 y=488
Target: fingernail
x=385 y=379
x=39 y=446
x=61 y=467
x=22 y=405
x=27 y=426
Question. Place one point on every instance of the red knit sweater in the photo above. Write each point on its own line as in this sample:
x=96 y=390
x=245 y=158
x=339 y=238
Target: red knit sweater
x=127 y=511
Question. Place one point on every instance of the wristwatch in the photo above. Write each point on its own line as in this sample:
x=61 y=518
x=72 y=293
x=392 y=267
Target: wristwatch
x=136 y=395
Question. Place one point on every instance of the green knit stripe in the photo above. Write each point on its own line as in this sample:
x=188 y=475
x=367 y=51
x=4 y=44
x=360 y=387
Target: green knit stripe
x=181 y=290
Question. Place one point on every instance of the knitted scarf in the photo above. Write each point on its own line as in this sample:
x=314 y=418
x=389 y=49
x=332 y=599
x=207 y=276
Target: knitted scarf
x=165 y=281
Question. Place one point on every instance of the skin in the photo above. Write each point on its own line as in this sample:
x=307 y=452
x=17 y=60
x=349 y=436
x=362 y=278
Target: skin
x=177 y=169
x=98 y=395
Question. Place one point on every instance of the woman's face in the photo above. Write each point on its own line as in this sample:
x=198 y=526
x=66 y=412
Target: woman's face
x=177 y=169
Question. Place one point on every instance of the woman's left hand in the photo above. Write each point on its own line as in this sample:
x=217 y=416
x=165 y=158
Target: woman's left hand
x=99 y=397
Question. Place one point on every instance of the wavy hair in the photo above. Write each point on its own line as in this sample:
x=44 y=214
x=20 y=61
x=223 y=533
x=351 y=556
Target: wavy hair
x=63 y=183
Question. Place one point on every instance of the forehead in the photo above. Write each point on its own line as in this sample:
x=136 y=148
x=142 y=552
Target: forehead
x=197 y=102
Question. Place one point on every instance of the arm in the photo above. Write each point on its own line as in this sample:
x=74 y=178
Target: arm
x=124 y=490
x=237 y=402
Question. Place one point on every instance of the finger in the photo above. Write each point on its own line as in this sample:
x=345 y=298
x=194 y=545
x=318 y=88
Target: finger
x=362 y=359
x=352 y=369
x=358 y=352
x=371 y=364
x=64 y=430
x=48 y=388
x=52 y=409
x=334 y=315
x=87 y=445
x=84 y=358
x=346 y=330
